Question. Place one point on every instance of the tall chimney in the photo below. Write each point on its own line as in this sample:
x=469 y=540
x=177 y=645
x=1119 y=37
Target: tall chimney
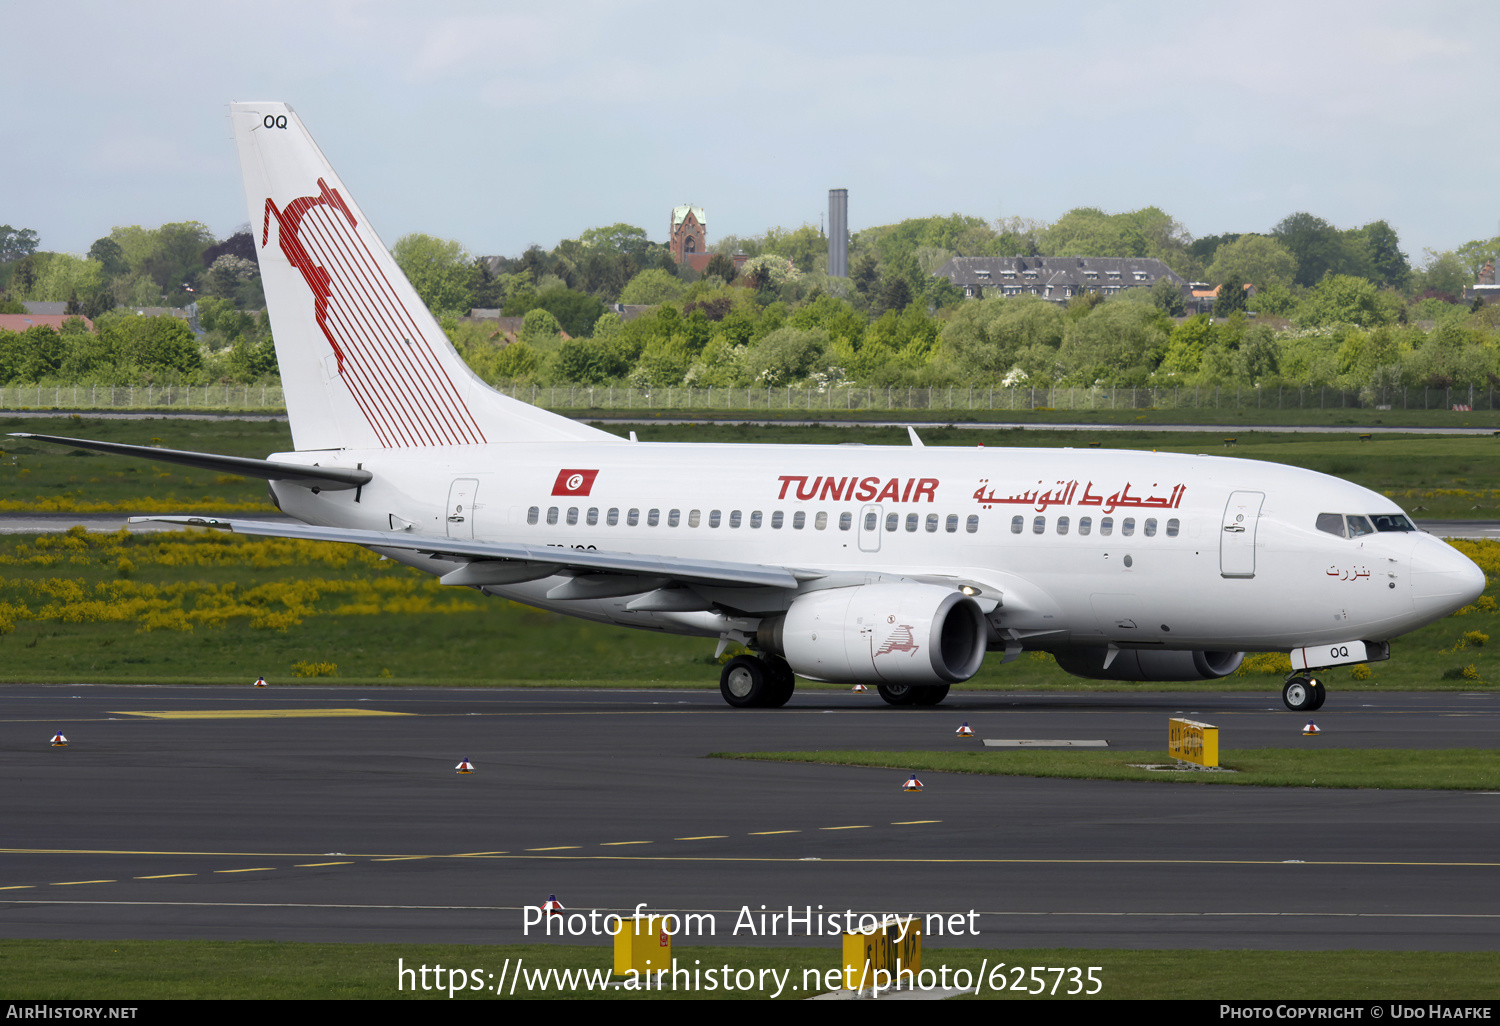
x=838 y=233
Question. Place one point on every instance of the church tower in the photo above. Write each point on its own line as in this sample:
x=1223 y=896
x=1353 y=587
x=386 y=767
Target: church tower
x=689 y=236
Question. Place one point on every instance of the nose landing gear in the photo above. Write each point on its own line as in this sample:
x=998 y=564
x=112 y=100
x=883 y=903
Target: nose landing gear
x=1301 y=693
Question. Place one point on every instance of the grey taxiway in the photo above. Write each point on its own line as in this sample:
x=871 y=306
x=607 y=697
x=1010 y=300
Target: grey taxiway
x=336 y=814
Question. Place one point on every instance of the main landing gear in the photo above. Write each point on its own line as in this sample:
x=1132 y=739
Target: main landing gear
x=1302 y=693
x=912 y=694
x=749 y=682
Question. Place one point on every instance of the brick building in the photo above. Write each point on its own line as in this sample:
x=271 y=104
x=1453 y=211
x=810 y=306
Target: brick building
x=689 y=237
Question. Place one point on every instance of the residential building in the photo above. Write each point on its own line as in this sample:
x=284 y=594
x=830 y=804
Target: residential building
x=1057 y=279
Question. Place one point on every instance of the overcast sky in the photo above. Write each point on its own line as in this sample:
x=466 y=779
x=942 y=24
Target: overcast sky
x=505 y=124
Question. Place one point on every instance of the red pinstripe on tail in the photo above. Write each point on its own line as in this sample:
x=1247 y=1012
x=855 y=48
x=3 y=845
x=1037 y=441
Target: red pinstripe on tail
x=381 y=353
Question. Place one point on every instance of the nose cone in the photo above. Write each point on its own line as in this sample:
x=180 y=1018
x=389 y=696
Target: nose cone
x=1443 y=579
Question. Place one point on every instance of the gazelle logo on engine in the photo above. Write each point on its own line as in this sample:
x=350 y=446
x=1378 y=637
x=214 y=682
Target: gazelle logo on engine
x=899 y=640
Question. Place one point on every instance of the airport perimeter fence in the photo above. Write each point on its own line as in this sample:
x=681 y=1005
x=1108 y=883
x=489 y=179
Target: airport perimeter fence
x=951 y=398
x=232 y=398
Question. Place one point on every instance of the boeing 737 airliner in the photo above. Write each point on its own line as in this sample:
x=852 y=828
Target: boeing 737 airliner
x=895 y=566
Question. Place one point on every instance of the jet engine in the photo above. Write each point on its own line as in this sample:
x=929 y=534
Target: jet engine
x=901 y=632
x=1147 y=664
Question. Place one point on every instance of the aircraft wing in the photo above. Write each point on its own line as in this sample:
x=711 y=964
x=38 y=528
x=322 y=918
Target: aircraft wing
x=324 y=478
x=708 y=572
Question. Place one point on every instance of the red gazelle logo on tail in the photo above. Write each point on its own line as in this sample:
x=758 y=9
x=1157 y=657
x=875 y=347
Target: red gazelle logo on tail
x=380 y=352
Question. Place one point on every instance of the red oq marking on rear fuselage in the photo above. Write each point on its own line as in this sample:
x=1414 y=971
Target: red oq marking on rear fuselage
x=382 y=357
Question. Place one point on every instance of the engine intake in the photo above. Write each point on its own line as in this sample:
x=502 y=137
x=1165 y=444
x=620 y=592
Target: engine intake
x=902 y=632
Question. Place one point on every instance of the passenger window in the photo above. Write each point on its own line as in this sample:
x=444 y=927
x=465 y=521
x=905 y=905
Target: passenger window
x=694 y=517
x=973 y=524
x=892 y=521
x=1173 y=526
x=799 y=520
x=1062 y=525
x=653 y=518
x=1358 y=526
x=932 y=523
x=1039 y=525
x=1331 y=523
x=777 y=520
x=1107 y=526
x=593 y=516
x=551 y=515
x=1085 y=525
x=713 y=518
x=572 y=516
x=674 y=517
x=952 y=523
x=614 y=517
x=633 y=517
x=912 y=521
x=734 y=518
x=1017 y=524
x=846 y=521
x=1127 y=526
x=533 y=514
x=755 y=519
x=821 y=521
x=872 y=521
x=1150 y=526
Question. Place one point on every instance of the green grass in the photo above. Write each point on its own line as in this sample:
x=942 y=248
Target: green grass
x=491 y=642
x=1447 y=769
x=66 y=615
x=38 y=476
x=152 y=970
x=1446 y=476
x=1436 y=477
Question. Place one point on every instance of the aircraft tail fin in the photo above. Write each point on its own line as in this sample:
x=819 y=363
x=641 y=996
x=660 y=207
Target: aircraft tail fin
x=363 y=363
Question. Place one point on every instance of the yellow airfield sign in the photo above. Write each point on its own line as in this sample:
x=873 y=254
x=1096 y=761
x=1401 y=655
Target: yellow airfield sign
x=1191 y=741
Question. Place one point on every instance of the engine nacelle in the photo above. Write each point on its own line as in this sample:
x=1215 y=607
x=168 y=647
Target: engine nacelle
x=900 y=633
x=1147 y=664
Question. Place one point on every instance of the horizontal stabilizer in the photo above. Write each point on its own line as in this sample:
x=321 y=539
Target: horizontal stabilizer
x=331 y=478
x=706 y=572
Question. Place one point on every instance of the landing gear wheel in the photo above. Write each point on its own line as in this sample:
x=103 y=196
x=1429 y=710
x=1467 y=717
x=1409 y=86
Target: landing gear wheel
x=931 y=695
x=897 y=694
x=1319 y=693
x=783 y=681
x=746 y=682
x=1299 y=694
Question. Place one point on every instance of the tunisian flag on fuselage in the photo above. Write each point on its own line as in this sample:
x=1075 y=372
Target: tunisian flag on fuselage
x=574 y=482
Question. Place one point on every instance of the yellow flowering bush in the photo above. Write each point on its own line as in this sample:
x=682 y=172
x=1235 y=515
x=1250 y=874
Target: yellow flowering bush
x=1265 y=662
x=181 y=605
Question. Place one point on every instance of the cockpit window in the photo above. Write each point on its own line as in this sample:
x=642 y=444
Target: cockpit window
x=1333 y=523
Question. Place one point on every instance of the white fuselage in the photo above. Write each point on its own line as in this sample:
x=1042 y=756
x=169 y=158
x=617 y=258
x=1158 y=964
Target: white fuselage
x=1066 y=546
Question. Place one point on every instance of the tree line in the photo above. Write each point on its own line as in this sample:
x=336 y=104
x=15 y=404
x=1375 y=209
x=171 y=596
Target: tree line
x=1331 y=306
